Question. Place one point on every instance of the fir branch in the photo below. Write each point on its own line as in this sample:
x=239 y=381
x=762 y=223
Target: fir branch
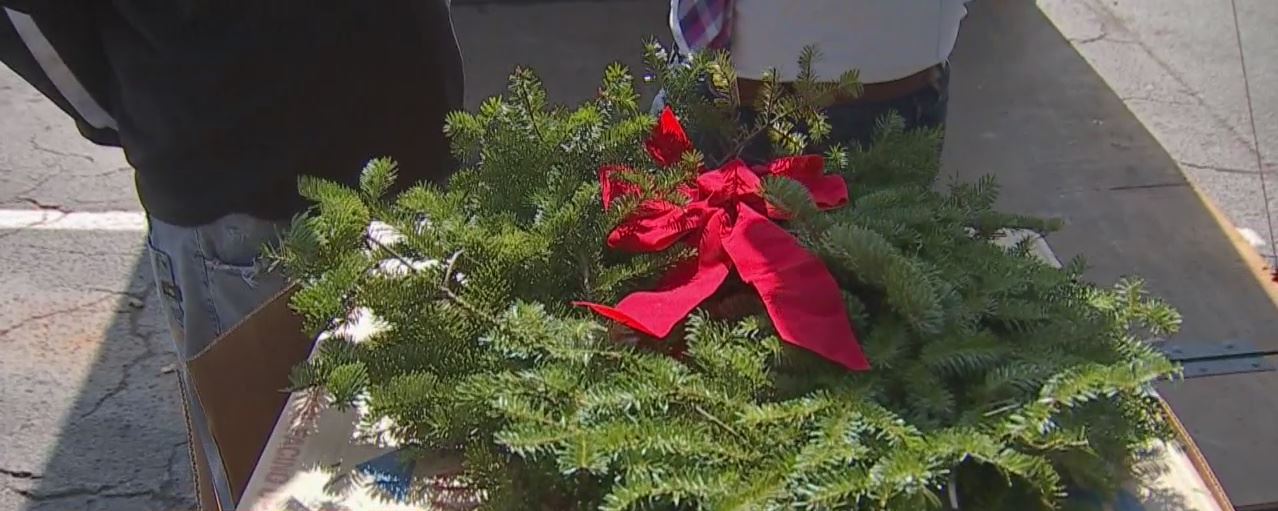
x=521 y=85
x=717 y=421
x=444 y=286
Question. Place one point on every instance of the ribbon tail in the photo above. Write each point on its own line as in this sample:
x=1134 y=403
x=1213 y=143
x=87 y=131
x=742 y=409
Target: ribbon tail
x=655 y=313
x=800 y=295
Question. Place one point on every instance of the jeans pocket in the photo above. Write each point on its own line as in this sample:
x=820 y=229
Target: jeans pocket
x=167 y=285
x=237 y=276
x=236 y=290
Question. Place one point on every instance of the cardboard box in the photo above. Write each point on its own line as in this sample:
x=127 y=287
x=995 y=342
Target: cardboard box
x=241 y=382
x=293 y=452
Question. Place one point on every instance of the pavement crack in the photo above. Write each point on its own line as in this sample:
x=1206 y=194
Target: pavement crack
x=168 y=490
x=35 y=144
x=66 y=493
x=121 y=385
x=42 y=221
x=38 y=184
x=1104 y=33
x=1155 y=100
x=168 y=500
x=104 y=173
x=100 y=491
x=1228 y=170
x=22 y=196
x=126 y=372
x=40 y=205
x=134 y=493
x=25 y=321
x=1109 y=24
x=1111 y=20
x=1103 y=36
x=20 y=474
x=1148 y=186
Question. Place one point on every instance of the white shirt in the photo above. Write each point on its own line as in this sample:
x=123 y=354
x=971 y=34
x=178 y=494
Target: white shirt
x=884 y=39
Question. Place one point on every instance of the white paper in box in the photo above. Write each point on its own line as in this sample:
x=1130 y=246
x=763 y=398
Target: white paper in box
x=313 y=462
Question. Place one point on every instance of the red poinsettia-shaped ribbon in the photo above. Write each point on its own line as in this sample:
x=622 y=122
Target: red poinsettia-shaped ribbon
x=727 y=219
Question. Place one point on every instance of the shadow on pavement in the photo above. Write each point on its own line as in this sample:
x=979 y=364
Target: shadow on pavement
x=122 y=445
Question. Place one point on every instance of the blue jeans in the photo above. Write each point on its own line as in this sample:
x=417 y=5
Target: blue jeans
x=209 y=278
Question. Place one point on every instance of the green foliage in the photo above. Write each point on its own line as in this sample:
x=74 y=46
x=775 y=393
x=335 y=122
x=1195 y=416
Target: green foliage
x=997 y=377
x=377 y=177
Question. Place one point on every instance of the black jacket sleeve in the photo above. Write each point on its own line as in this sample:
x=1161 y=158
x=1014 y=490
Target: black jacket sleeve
x=72 y=34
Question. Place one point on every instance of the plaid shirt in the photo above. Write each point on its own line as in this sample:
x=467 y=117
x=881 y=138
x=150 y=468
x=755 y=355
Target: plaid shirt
x=701 y=24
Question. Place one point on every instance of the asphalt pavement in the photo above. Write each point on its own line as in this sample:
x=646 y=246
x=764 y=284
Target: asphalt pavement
x=89 y=415
x=1199 y=75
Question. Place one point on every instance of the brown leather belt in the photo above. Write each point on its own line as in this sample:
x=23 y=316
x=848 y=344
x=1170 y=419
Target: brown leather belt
x=873 y=92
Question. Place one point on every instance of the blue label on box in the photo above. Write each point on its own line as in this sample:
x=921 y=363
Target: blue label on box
x=391 y=474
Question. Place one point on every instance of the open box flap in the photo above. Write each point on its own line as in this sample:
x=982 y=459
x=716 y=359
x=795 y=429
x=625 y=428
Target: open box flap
x=241 y=382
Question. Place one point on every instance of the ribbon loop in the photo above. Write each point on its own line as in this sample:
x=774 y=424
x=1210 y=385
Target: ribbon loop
x=725 y=219
x=668 y=141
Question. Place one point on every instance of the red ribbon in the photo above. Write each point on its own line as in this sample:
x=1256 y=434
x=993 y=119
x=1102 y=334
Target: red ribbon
x=727 y=219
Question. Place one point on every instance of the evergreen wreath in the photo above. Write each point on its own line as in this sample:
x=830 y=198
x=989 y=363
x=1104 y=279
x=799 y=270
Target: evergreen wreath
x=447 y=316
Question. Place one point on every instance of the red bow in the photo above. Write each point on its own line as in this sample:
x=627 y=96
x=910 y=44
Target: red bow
x=727 y=220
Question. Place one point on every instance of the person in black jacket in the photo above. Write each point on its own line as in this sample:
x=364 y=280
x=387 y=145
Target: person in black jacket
x=220 y=105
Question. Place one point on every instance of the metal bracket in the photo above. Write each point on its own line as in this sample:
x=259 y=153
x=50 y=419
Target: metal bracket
x=1216 y=358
